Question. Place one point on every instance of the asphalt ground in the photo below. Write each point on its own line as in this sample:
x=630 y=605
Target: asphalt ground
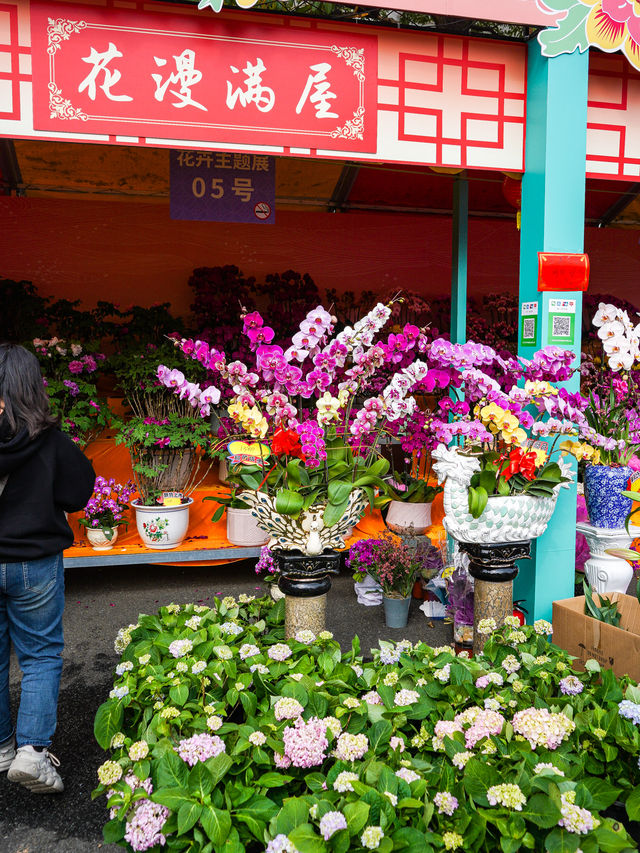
x=98 y=602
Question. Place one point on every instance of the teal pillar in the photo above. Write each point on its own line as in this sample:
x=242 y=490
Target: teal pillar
x=459 y=261
x=553 y=191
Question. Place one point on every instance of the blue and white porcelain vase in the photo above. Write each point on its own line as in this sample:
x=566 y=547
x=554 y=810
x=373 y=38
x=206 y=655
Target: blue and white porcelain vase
x=603 y=487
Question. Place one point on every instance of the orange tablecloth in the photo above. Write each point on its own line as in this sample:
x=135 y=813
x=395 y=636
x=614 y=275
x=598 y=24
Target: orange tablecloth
x=111 y=460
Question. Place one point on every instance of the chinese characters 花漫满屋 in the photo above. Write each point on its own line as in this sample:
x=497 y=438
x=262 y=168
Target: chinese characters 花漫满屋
x=316 y=91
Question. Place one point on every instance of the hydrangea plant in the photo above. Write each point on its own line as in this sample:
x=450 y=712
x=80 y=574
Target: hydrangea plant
x=224 y=737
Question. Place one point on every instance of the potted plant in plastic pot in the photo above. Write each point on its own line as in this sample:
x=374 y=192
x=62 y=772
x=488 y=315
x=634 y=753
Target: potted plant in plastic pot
x=394 y=567
x=613 y=412
x=169 y=460
x=409 y=508
x=105 y=512
x=242 y=527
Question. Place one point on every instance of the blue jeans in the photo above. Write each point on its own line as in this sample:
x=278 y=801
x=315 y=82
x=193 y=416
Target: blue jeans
x=31 y=606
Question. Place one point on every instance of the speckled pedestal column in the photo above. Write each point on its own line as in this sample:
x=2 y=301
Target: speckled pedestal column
x=304 y=614
x=490 y=601
x=494 y=568
x=305 y=581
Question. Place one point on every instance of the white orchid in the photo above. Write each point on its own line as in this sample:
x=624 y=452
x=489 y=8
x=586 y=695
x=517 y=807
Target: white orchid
x=622 y=361
x=606 y=313
x=611 y=329
x=616 y=345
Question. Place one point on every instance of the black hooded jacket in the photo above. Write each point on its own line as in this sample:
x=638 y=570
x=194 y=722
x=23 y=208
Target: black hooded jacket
x=48 y=476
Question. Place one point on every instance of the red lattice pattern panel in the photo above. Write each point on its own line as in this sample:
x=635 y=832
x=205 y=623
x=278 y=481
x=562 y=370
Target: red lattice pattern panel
x=15 y=62
x=460 y=97
x=613 y=119
x=442 y=100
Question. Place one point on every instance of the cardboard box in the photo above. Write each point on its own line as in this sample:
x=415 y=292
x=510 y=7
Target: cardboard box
x=585 y=637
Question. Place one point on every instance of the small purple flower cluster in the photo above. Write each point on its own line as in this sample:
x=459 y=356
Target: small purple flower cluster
x=392 y=565
x=571 y=685
x=86 y=364
x=265 y=562
x=107 y=504
x=144 y=827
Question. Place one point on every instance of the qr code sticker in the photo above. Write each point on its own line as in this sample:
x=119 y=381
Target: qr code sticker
x=561 y=327
x=528 y=328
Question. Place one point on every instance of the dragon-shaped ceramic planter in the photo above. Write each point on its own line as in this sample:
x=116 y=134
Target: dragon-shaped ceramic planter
x=512 y=518
x=308 y=532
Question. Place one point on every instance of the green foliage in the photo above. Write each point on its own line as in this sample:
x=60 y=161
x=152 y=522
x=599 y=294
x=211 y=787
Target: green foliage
x=411 y=490
x=604 y=611
x=239 y=800
x=297 y=488
x=495 y=477
x=71 y=371
x=570 y=32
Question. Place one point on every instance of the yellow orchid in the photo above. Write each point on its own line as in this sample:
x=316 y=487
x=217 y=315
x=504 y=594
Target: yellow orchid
x=236 y=411
x=581 y=450
x=517 y=436
x=509 y=423
x=343 y=397
x=492 y=413
x=537 y=388
x=255 y=423
x=541 y=455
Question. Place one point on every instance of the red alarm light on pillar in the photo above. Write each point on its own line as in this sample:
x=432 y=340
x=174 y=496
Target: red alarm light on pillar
x=559 y=271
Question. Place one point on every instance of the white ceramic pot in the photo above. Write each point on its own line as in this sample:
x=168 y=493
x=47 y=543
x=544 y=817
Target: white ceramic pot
x=508 y=518
x=99 y=540
x=162 y=527
x=409 y=517
x=242 y=528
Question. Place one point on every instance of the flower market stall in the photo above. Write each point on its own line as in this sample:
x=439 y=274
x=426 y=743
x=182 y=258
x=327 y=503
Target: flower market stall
x=418 y=435
x=377 y=121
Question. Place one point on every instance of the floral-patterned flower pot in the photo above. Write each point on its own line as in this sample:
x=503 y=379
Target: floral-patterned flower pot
x=162 y=527
x=243 y=529
x=603 y=486
x=102 y=539
x=408 y=517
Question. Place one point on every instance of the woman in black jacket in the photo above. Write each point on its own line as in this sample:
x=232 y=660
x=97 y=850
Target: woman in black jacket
x=42 y=475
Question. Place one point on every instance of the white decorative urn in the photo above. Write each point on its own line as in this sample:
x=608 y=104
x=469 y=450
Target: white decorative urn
x=512 y=518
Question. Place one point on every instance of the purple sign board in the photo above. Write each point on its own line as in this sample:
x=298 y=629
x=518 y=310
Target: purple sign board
x=222 y=187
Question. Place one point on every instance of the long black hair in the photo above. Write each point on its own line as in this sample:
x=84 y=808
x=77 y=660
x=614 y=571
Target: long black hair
x=22 y=391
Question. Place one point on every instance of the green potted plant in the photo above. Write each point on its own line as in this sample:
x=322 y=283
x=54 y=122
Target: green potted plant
x=105 y=512
x=409 y=507
x=242 y=527
x=168 y=455
x=70 y=374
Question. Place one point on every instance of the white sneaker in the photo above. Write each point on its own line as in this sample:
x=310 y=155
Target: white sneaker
x=7 y=754
x=36 y=771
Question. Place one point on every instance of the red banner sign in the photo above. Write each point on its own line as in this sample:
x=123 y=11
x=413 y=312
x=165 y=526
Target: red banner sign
x=120 y=71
